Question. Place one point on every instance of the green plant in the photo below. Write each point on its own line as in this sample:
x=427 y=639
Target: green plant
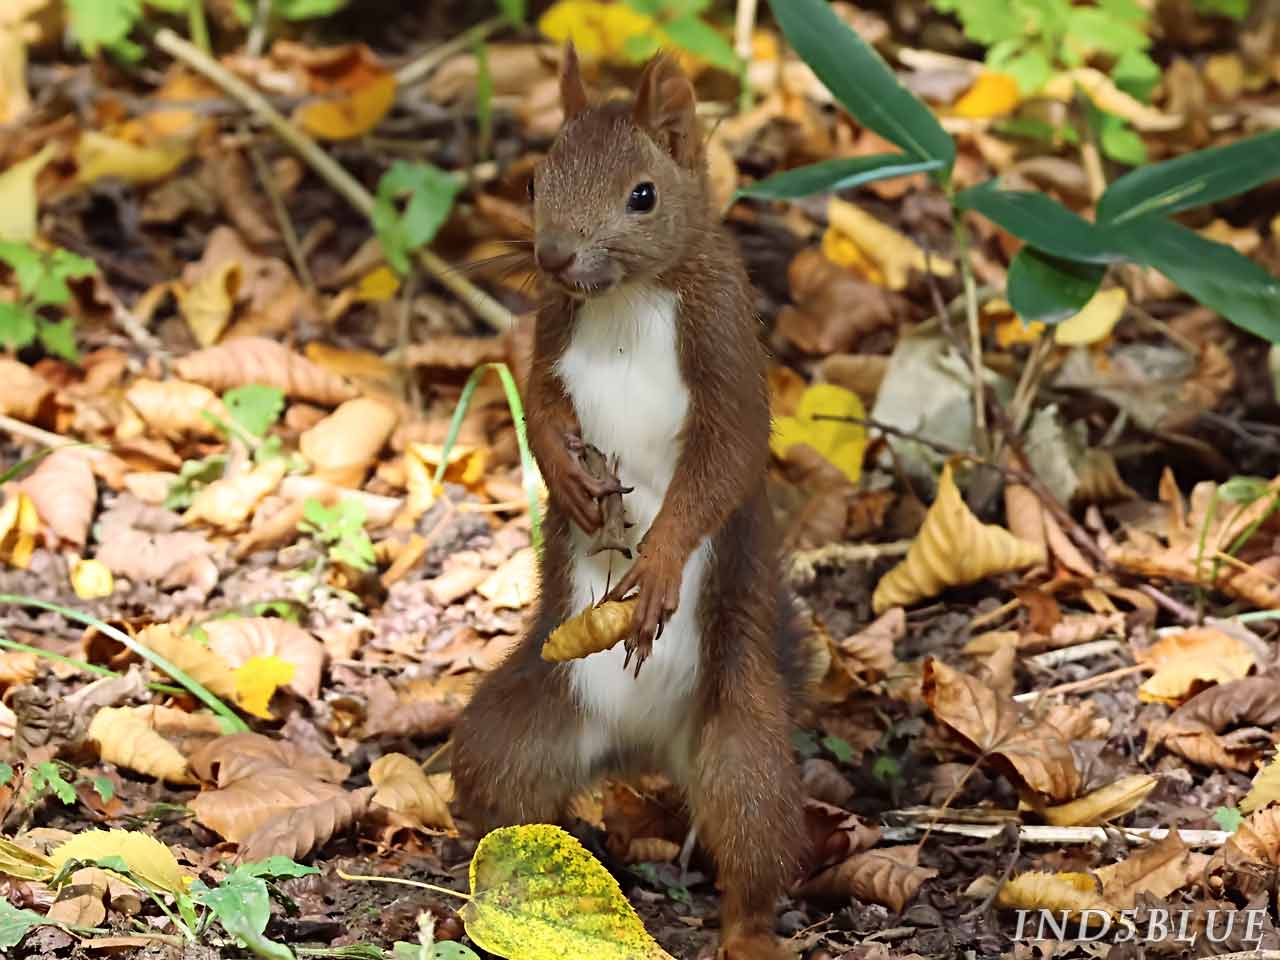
x=192 y=475
x=241 y=903
x=431 y=192
x=106 y=24
x=514 y=10
x=681 y=23
x=838 y=748
x=255 y=407
x=1030 y=39
x=1228 y=818
x=1066 y=256
x=57 y=779
x=341 y=529
x=42 y=285
x=1235 y=9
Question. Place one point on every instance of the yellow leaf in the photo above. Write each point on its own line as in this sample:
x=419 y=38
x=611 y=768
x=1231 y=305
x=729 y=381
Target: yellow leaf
x=189 y=654
x=594 y=629
x=952 y=548
x=1265 y=789
x=353 y=113
x=1106 y=803
x=1013 y=330
x=842 y=251
x=15 y=99
x=149 y=860
x=465 y=465
x=895 y=254
x=599 y=31
x=24 y=863
x=127 y=740
x=18 y=202
x=1190 y=660
x=98 y=156
x=208 y=304
x=91 y=579
x=537 y=894
x=378 y=285
x=992 y=95
x=257 y=680
x=1069 y=892
x=19 y=524
x=1095 y=320
x=840 y=442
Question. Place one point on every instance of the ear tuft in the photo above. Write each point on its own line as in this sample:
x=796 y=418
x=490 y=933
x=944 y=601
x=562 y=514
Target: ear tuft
x=573 y=94
x=665 y=107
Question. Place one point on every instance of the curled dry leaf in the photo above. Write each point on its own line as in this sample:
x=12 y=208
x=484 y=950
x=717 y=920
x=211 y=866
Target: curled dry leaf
x=345 y=444
x=64 y=492
x=1256 y=839
x=594 y=629
x=239 y=640
x=228 y=502
x=245 y=360
x=207 y=304
x=177 y=408
x=1035 y=756
x=1099 y=479
x=1073 y=893
x=192 y=656
x=868 y=654
x=833 y=308
x=295 y=833
x=240 y=755
x=125 y=739
x=890 y=877
x=1193 y=729
x=82 y=899
x=513 y=585
x=19 y=524
x=1160 y=869
x=1185 y=662
x=952 y=548
x=404 y=788
x=1104 y=804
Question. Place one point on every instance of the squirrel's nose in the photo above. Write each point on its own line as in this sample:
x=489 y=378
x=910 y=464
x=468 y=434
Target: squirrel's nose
x=555 y=254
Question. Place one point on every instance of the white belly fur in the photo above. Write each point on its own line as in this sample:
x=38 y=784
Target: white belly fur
x=622 y=372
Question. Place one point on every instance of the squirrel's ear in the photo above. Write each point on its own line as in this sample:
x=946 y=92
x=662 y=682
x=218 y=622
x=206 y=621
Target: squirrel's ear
x=573 y=95
x=665 y=107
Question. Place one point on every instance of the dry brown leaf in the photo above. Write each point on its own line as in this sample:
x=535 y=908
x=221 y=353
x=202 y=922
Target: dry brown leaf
x=859 y=372
x=1037 y=757
x=207 y=304
x=1193 y=729
x=1256 y=839
x=1070 y=892
x=1185 y=662
x=868 y=654
x=594 y=629
x=243 y=638
x=890 y=877
x=1265 y=789
x=404 y=788
x=296 y=832
x=125 y=739
x=1106 y=803
x=65 y=493
x=513 y=585
x=952 y=548
x=240 y=755
x=176 y=408
x=17 y=668
x=228 y=502
x=1160 y=869
x=833 y=308
x=173 y=722
x=1099 y=479
x=23 y=392
x=245 y=360
x=392 y=714
x=343 y=445
x=189 y=654
x=240 y=808
x=82 y=899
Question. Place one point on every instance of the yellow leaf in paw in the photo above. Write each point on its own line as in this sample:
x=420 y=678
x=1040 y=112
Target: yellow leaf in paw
x=594 y=629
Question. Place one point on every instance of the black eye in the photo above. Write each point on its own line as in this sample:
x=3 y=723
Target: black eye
x=644 y=197
x=530 y=187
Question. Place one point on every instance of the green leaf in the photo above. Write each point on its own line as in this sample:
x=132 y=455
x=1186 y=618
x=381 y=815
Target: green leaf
x=838 y=174
x=838 y=748
x=1228 y=818
x=1192 y=180
x=277 y=866
x=984 y=21
x=694 y=34
x=1235 y=9
x=17 y=325
x=255 y=406
x=451 y=950
x=1049 y=289
x=858 y=77
x=1030 y=68
x=103 y=23
x=170 y=6
x=104 y=788
x=16 y=924
x=6 y=774
x=1213 y=273
x=1136 y=74
x=1042 y=222
x=26 y=262
x=431 y=195
x=47 y=776
x=192 y=475
x=1121 y=142
x=306 y=9
x=513 y=10
x=805 y=743
x=59 y=338
x=243 y=907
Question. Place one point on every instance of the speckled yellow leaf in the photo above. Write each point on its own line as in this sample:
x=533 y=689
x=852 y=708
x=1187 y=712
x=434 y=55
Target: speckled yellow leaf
x=600 y=31
x=1070 y=892
x=98 y=156
x=992 y=95
x=150 y=861
x=1095 y=321
x=18 y=204
x=19 y=523
x=840 y=442
x=537 y=894
x=257 y=680
x=91 y=579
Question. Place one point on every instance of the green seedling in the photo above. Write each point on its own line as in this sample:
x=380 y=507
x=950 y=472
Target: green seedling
x=341 y=529
x=42 y=288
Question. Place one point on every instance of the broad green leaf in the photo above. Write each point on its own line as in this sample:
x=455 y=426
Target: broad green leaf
x=537 y=894
x=170 y=6
x=103 y=23
x=6 y=774
x=277 y=866
x=1192 y=180
x=838 y=748
x=1136 y=74
x=243 y=907
x=1048 y=289
x=255 y=406
x=858 y=77
x=1042 y=222
x=1120 y=142
x=838 y=174
x=694 y=34
x=59 y=338
x=26 y=262
x=431 y=195
x=104 y=788
x=1031 y=68
x=1235 y=9
x=17 y=325
x=16 y=924
x=306 y=9
x=1213 y=273
x=1228 y=818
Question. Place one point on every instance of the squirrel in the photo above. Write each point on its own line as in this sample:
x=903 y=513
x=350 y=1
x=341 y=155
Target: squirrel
x=647 y=347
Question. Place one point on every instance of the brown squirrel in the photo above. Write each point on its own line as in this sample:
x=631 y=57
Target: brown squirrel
x=646 y=347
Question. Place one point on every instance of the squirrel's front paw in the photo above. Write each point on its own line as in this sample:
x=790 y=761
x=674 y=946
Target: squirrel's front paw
x=655 y=576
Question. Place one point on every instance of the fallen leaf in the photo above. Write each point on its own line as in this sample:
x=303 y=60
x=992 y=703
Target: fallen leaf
x=18 y=203
x=404 y=788
x=298 y=831
x=65 y=494
x=818 y=424
x=91 y=579
x=98 y=156
x=952 y=548
x=240 y=640
x=1094 y=321
x=149 y=860
x=19 y=523
x=241 y=755
x=23 y=392
x=891 y=877
x=514 y=585
x=208 y=304
x=1104 y=804
x=257 y=680
x=17 y=668
x=82 y=899
x=353 y=113
x=177 y=409
x=992 y=95
x=127 y=741
x=1193 y=730
x=599 y=31
x=894 y=253
x=245 y=360
x=1072 y=893
x=1256 y=839
x=190 y=655
x=343 y=445
x=1189 y=660
x=227 y=502
x=240 y=808
x=1158 y=870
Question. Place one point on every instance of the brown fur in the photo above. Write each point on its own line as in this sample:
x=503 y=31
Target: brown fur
x=513 y=747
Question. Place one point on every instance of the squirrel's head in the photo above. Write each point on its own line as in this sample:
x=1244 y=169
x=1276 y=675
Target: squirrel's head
x=620 y=194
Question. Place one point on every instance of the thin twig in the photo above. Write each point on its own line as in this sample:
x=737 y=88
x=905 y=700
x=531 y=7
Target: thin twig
x=1079 y=686
x=338 y=177
x=975 y=334
x=281 y=212
x=1179 y=610
x=257 y=40
x=423 y=66
x=36 y=435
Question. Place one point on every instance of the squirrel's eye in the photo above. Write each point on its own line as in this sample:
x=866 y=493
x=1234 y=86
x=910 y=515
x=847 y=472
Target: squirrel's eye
x=644 y=197
x=530 y=188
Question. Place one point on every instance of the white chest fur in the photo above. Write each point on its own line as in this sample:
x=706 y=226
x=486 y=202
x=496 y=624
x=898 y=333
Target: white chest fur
x=622 y=372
